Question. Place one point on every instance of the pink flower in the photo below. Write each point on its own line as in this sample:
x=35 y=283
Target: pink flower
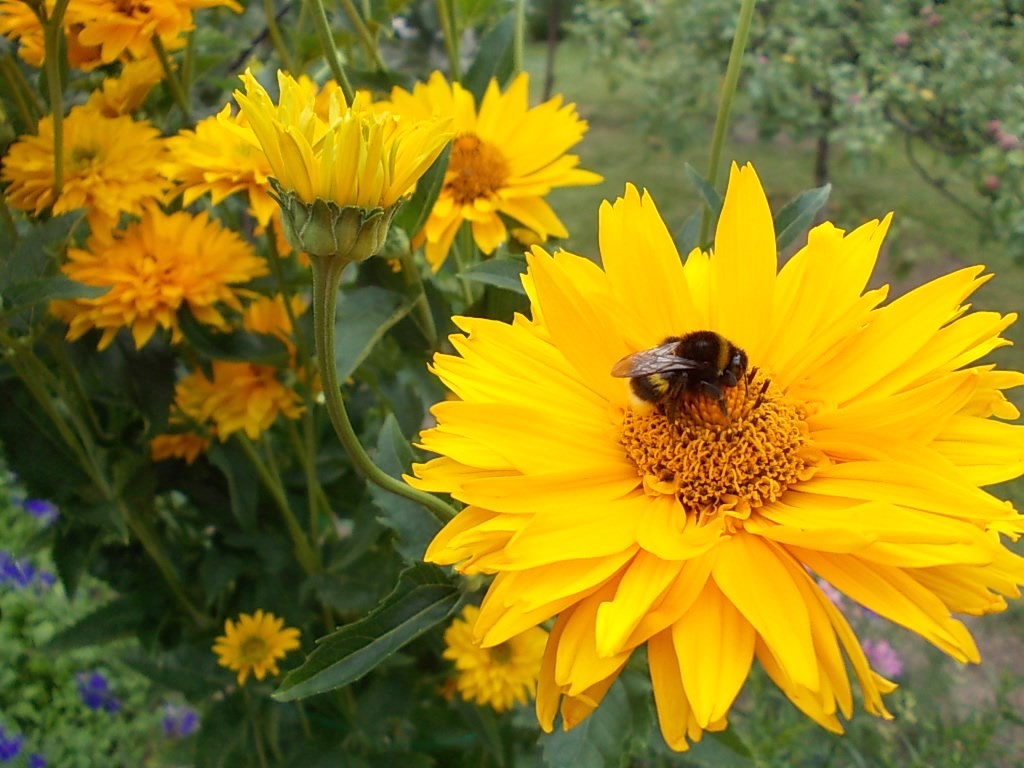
x=1007 y=141
x=934 y=20
x=991 y=183
x=995 y=127
x=883 y=657
x=901 y=39
x=853 y=98
x=833 y=594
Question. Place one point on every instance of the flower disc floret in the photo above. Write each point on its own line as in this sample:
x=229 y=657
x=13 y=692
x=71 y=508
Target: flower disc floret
x=855 y=453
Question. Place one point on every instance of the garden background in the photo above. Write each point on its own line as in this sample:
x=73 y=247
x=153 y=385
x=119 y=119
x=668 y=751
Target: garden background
x=911 y=107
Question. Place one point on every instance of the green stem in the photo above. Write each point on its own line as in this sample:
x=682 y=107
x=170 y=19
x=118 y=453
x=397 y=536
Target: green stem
x=732 y=76
x=363 y=34
x=304 y=552
x=464 y=249
x=323 y=31
x=188 y=62
x=24 y=97
x=8 y=219
x=414 y=283
x=326 y=278
x=275 y=36
x=171 y=78
x=254 y=720
x=518 y=36
x=53 y=35
x=309 y=469
x=446 y=16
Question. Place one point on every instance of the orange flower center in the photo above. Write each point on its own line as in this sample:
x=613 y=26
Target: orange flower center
x=83 y=157
x=501 y=653
x=253 y=650
x=719 y=464
x=475 y=169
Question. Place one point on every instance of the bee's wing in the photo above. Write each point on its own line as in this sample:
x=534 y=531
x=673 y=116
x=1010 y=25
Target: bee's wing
x=661 y=359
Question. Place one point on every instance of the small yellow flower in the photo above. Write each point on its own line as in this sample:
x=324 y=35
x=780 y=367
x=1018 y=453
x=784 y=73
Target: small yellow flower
x=254 y=644
x=927 y=94
x=268 y=314
x=505 y=158
x=178 y=445
x=221 y=156
x=153 y=268
x=120 y=26
x=241 y=397
x=500 y=676
x=19 y=23
x=356 y=157
x=110 y=167
x=124 y=94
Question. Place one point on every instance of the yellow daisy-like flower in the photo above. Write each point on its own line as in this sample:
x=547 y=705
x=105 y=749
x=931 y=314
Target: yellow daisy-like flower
x=124 y=94
x=110 y=167
x=355 y=157
x=241 y=397
x=153 y=268
x=179 y=445
x=500 y=676
x=221 y=156
x=19 y=23
x=852 y=447
x=505 y=158
x=119 y=26
x=254 y=644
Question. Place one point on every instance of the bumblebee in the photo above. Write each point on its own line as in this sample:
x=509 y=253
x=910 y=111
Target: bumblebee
x=701 y=362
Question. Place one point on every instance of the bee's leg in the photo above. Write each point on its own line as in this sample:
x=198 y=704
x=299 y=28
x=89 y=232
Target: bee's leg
x=715 y=391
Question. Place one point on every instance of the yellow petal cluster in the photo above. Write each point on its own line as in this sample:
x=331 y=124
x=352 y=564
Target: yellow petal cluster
x=499 y=677
x=254 y=644
x=153 y=268
x=19 y=23
x=856 y=452
x=354 y=157
x=124 y=94
x=109 y=165
x=506 y=157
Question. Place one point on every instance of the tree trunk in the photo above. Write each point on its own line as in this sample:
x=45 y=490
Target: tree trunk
x=554 y=19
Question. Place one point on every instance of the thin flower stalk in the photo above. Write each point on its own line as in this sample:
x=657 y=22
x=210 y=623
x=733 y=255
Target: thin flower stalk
x=323 y=32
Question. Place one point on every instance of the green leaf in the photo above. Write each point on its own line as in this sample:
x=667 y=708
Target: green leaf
x=413 y=525
x=364 y=315
x=423 y=598
x=224 y=731
x=32 y=254
x=711 y=198
x=413 y=214
x=797 y=215
x=494 y=58
x=243 y=484
x=43 y=289
x=501 y=273
x=732 y=741
x=118 y=618
x=240 y=346
x=598 y=741
x=688 y=235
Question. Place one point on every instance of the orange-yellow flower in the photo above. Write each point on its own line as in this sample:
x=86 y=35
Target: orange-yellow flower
x=854 y=449
x=153 y=268
x=505 y=158
x=125 y=93
x=110 y=167
x=254 y=644
x=118 y=26
x=498 y=677
x=19 y=23
x=178 y=445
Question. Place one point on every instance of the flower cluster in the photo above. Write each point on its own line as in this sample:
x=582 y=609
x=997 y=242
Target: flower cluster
x=94 y=688
x=20 y=573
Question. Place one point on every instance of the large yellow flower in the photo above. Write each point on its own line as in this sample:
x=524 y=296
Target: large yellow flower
x=498 y=677
x=221 y=156
x=125 y=93
x=505 y=158
x=153 y=268
x=855 y=450
x=354 y=157
x=110 y=167
x=254 y=644
x=18 y=22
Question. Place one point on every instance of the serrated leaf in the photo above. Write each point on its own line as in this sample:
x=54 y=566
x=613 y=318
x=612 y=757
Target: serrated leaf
x=43 y=289
x=711 y=198
x=796 y=216
x=33 y=253
x=364 y=315
x=501 y=273
x=413 y=214
x=598 y=741
x=493 y=59
x=423 y=598
x=413 y=525
x=118 y=618
x=240 y=346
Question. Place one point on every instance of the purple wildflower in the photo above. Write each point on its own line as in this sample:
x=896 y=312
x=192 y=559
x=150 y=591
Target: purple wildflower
x=95 y=692
x=10 y=746
x=18 y=573
x=180 y=722
x=35 y=760
x=41 y=509
x=883 y=657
